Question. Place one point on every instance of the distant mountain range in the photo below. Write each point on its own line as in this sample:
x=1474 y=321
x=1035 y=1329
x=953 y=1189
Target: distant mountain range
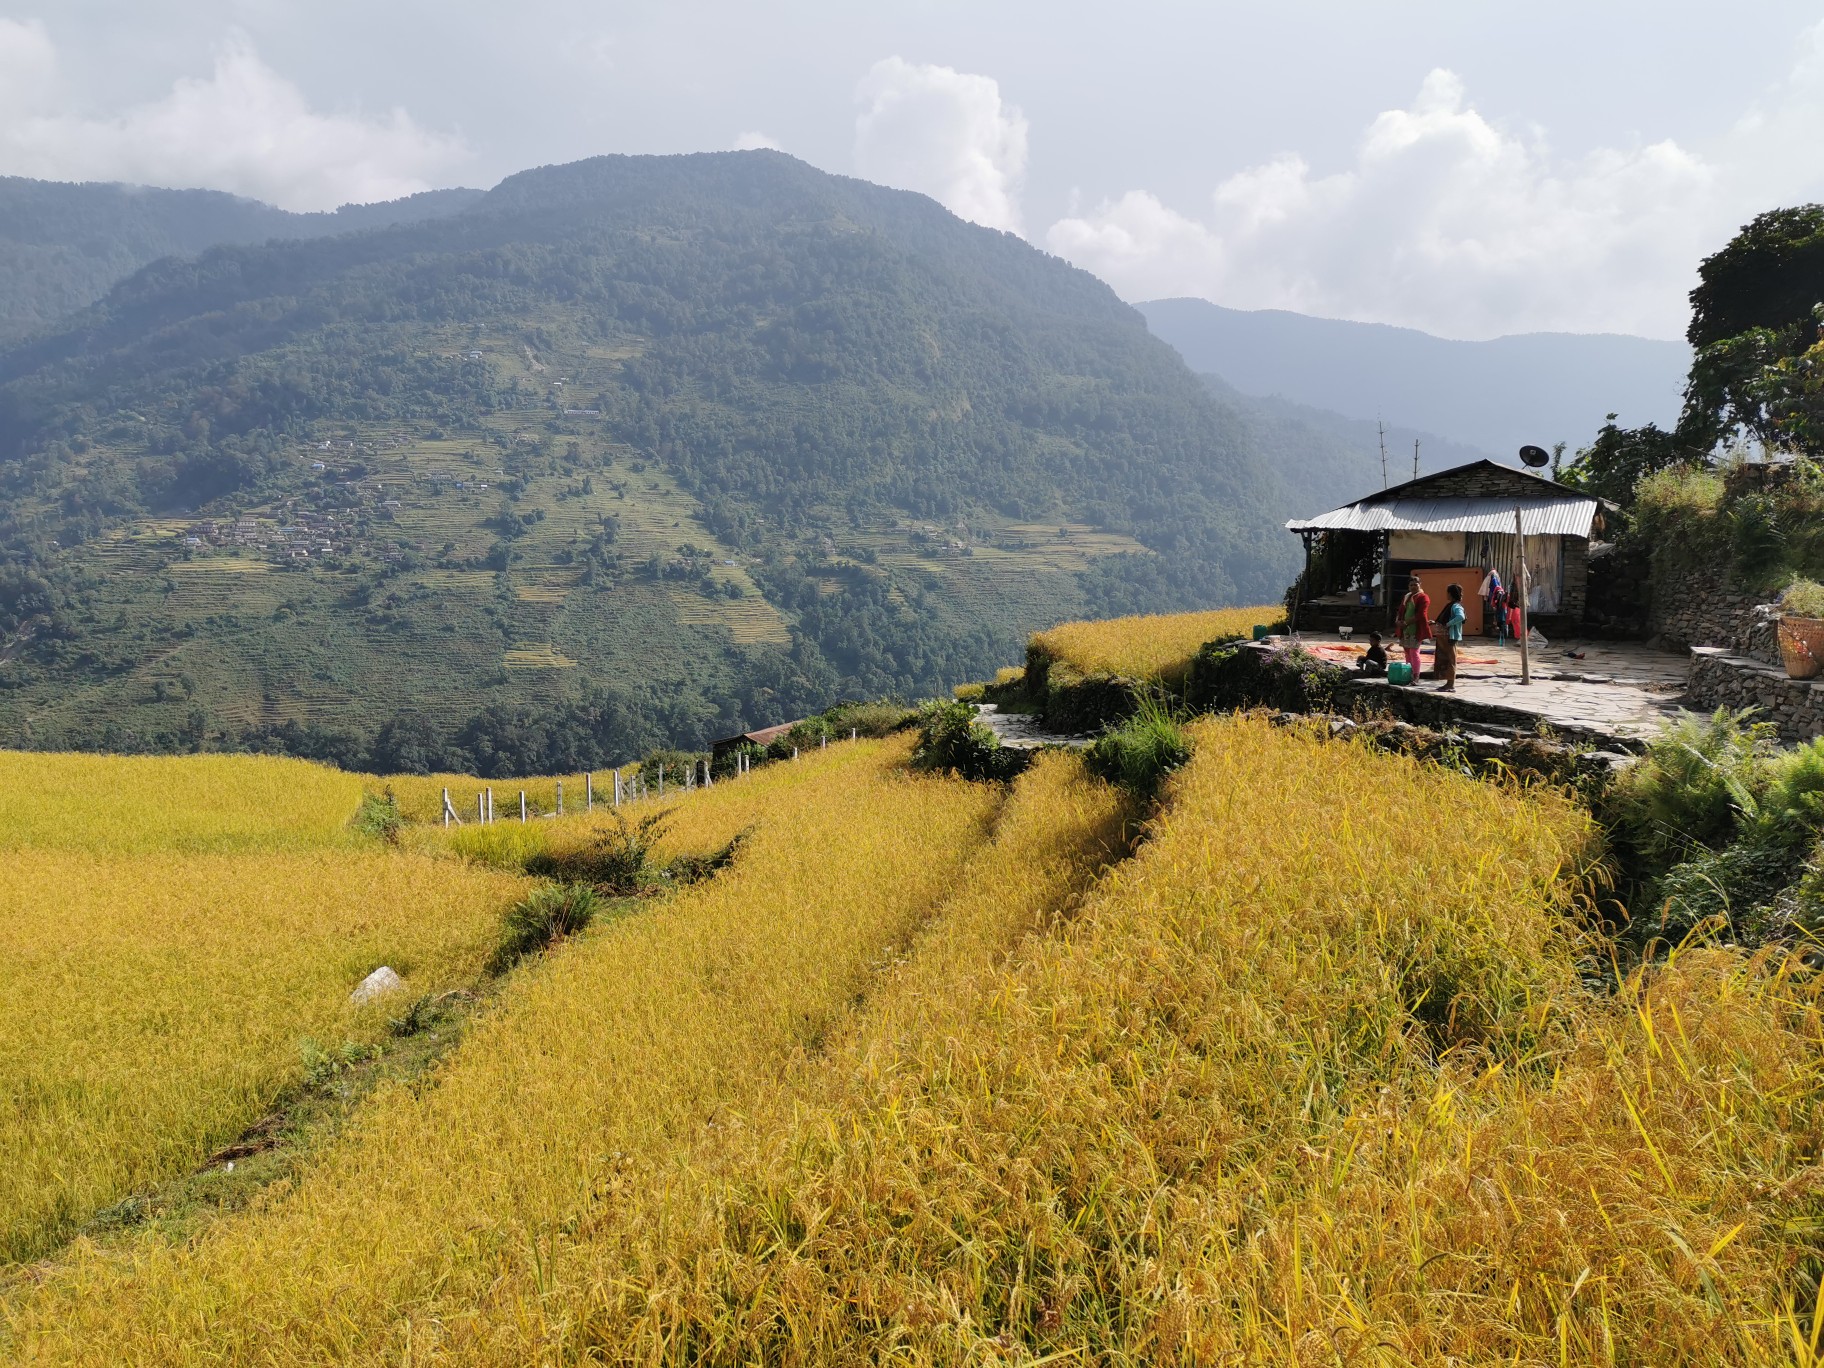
x=1494 y=396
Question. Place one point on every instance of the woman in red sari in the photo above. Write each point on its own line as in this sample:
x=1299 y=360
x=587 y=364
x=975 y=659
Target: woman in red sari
x=1415 y=625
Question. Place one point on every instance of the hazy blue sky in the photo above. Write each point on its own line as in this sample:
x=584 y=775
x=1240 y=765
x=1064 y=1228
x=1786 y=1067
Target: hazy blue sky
x=1468 y=168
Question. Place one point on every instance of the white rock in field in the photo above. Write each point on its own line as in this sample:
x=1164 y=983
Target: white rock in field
x=376 y=985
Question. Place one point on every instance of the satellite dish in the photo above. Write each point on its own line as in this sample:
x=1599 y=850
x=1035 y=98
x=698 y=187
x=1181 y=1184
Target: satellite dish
x=1535 y=457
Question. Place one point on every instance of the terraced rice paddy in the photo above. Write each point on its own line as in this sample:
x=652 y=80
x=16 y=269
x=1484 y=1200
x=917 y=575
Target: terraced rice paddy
x=1157 y=646
x=937 y=1073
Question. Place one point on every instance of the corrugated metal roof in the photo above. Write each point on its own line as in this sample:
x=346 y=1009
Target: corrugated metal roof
x=1539 y=516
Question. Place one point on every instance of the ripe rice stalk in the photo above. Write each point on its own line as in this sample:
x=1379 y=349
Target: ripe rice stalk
x=1157 y=646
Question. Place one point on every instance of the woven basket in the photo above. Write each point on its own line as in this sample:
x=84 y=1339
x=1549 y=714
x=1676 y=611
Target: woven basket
x=1802 y=646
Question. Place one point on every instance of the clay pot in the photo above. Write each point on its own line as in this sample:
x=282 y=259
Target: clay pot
x=1802 y=646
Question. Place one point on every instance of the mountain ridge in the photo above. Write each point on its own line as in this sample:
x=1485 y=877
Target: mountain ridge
x=63 y=245
x=1497 y=394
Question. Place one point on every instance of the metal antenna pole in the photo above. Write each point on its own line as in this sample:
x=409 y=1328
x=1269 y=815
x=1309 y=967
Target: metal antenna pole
x=1382 y=429
x=1415 y=458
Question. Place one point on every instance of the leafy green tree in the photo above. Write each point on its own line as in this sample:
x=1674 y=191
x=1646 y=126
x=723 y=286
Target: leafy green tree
x=1619 y=458
x=1755 y=329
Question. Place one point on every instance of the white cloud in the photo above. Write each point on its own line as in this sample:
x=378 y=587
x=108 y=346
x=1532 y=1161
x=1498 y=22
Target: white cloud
x=945 y=133
x=1444 y=222
x=28 y=68
x=245 y=129
x=752 y=141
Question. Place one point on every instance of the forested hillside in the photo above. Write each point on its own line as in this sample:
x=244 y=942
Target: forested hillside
x=633 y=450
x=64 y=246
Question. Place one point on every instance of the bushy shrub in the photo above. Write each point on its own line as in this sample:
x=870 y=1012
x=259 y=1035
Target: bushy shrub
x=1692 y=786
x=1790 y=808
x=882 y=717
x=1803 y=598
x=379 y=816
x=621 y=860
x=1139 y=752
x=1732 y=890
x=1233 y=676
x=951 y=739
x=542 y=918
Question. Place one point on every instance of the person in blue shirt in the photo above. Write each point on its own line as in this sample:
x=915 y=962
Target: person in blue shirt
x=1451 y=620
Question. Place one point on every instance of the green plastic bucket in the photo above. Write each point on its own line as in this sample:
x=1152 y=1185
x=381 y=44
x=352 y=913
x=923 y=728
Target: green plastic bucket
x=1399 y=672
x=1260 y=631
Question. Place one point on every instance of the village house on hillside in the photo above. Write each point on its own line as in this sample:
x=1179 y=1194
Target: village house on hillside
x=1449 y=528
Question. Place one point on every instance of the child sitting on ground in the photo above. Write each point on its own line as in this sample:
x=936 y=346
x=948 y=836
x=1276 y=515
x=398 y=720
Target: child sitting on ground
x=1374 y=662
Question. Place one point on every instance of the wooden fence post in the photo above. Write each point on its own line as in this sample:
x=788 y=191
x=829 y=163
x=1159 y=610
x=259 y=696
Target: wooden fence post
x=448 y=812
x=560 y=797
x=851 y=733
x=661 y=781
x=794 y=752
x=490 y=804
x=481 y=809
x=589 y=792
x=617 y=788
x=522 y=805
x=823 y=742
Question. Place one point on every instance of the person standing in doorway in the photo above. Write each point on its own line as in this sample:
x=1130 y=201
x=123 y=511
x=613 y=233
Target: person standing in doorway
x=1451 y=620
x=1492 y=593
x=1415 y=625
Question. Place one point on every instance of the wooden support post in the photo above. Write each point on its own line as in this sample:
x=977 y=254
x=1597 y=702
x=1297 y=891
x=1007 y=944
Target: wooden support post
x=851 y=733
x=560 y=797
x=661 y=779
x=1526 y=657
x=794 y=752
x=522 y=805
x=589 y=792
x=448 y=811
x=481 y=809
x=490 y=805
x=617 y=788
x=823 y=742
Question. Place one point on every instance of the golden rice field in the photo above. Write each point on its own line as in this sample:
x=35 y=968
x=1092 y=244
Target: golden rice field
x=936 y=1073
x=122 y=804
x=608 y=1056
x=170 y=930
x=1157 y=646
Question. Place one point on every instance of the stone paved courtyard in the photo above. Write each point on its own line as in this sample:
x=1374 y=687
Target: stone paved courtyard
x=1624 y=688
x=1621 y=688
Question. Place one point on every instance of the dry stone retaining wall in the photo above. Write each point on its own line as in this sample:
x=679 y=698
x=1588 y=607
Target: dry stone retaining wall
x=1728 y=679
x=1702 y=608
